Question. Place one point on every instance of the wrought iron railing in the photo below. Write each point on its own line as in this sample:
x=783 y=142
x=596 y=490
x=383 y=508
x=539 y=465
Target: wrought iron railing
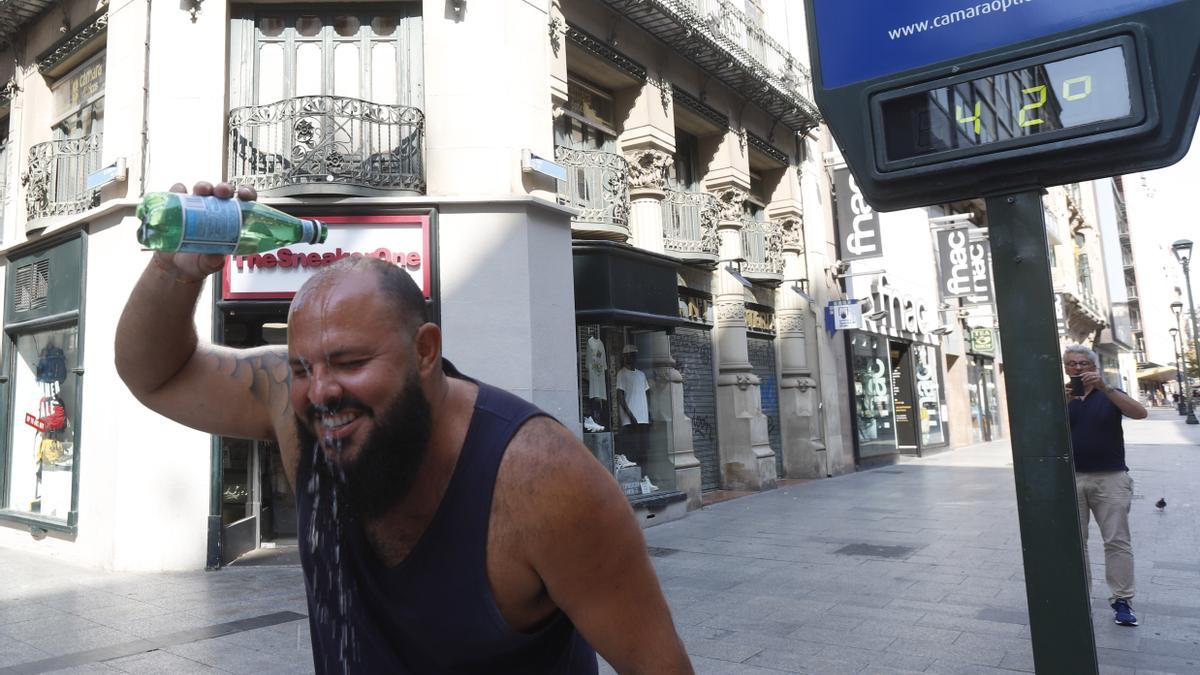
x=742 y=37
x=56 y=177
x=690 y=224
x=327 y=140
x=762 y=247
x=597 y=185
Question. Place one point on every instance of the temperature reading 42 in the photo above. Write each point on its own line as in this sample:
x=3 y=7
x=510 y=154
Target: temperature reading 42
x=1059 y=95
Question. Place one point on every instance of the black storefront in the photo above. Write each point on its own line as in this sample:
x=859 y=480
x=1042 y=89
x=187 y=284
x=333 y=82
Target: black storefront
x=626 y=310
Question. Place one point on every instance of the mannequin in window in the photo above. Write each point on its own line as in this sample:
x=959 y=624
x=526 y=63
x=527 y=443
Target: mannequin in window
x=631 y=391
x=597 y=366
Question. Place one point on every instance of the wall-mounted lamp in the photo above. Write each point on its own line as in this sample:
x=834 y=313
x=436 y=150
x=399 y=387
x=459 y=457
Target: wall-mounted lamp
x=458 y=7
x=192 y=6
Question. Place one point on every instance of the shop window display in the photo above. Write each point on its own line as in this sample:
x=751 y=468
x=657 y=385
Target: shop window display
x=623 y=424
x=873 y=395
x=42 y=458
x=929 y=395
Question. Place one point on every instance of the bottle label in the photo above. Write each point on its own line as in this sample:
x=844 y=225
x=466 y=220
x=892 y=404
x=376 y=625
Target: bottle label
x=210 y=225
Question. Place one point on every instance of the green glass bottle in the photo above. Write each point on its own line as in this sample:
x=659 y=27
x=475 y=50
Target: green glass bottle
x=181 y=223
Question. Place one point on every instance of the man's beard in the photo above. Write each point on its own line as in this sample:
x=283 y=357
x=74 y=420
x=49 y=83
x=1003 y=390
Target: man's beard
x=387 y=463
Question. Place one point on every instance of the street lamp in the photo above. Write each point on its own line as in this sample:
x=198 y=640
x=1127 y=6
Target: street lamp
x=1180 y=366
x=1183 y=253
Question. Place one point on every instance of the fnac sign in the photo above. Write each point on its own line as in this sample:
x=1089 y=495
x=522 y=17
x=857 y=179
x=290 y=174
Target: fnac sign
x=402 y=240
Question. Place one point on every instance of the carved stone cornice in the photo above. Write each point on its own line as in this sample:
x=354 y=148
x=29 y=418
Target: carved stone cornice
x=597 y=47
x=701 y=108
x=790 y=323
x=764 y=146
x=730 y=201
x=90 y=29
x=648 y=169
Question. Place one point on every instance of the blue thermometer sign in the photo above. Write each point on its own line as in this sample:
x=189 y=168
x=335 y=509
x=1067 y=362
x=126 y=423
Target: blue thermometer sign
x=865 y=39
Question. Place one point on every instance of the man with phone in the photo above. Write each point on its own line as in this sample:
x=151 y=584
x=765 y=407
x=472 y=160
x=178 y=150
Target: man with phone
x=1103 y=486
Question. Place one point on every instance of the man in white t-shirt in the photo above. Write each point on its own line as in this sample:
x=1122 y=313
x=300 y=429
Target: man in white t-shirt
x=631 y=390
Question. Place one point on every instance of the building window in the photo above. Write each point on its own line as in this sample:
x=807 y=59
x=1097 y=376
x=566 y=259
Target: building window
x=41 y=464
x=587 y=120
x=367 y=54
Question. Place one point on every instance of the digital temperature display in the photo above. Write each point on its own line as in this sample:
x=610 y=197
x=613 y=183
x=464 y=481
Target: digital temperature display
x=1040 y=100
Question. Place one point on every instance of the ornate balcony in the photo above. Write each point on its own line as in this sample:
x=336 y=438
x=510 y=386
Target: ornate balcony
x=762 y=247
x=722 y=40
x=690 y=226
x=598 y=185
x=327 y=145
x=55 y=178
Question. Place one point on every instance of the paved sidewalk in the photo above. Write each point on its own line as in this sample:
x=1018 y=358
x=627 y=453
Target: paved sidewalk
x=911 y=568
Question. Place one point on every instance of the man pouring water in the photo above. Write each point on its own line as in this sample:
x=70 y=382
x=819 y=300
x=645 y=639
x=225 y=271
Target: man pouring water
x=445 y=525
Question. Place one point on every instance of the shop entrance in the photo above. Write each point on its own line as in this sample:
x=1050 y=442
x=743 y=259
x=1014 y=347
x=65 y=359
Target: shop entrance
x=903 y=397
x=258 y=507
x=984 y=398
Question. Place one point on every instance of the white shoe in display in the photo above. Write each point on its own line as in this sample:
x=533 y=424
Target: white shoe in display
x=647 y=486
x=590 y=425
x=622 y=462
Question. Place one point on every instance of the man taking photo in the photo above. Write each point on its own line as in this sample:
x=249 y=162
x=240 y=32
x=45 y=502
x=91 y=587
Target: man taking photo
x=1103 y=486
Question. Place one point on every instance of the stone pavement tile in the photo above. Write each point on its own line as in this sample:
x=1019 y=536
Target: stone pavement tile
x=86 y=669
x=901 y=628
x=689 y=616
x=980 y=641
x=1187 y=650
x=150 y=625
x=758 y=625
x=835 y=637
x=159 y=662
x=15 y=611
x=284 y=638
x=952 y=667
x=13 y=652
x=775 y=644
x=723 y=650
x=965 y=655
x=706 y=666
x=875 y=659
x=972 y=625
x=63 y=635
x=793 y=663
x=831 y=622
x=701 y=633
x=917 y=608
x=1019 y=660
x=1004 y=615
x=1123 y=659
x=221 y=654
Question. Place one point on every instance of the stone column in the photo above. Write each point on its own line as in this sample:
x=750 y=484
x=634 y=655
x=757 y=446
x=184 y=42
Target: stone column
x=799 y=397
x=647 y=182
x=666 y=406
x=747 y=460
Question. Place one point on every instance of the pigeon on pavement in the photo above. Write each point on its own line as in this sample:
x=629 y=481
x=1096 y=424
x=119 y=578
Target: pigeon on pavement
x=1161 y=503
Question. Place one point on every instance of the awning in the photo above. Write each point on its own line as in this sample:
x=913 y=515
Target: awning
x=1157 y=374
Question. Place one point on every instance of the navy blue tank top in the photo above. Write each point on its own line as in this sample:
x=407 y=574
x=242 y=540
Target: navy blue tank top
x=434 y=612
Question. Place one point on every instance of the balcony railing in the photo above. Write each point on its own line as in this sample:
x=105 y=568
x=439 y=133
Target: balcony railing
x=690 y=225
x=762 y=247
x=719 y=37
x=327 y=144
x=56 y=177
x=597 y=185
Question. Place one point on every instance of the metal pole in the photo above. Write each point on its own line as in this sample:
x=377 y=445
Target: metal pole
x=1180 y=367
x=1060 y=618
x=1187 y=281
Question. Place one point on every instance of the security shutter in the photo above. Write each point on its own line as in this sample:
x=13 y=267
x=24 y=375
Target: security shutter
x=692 y=350
x=762 y=361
